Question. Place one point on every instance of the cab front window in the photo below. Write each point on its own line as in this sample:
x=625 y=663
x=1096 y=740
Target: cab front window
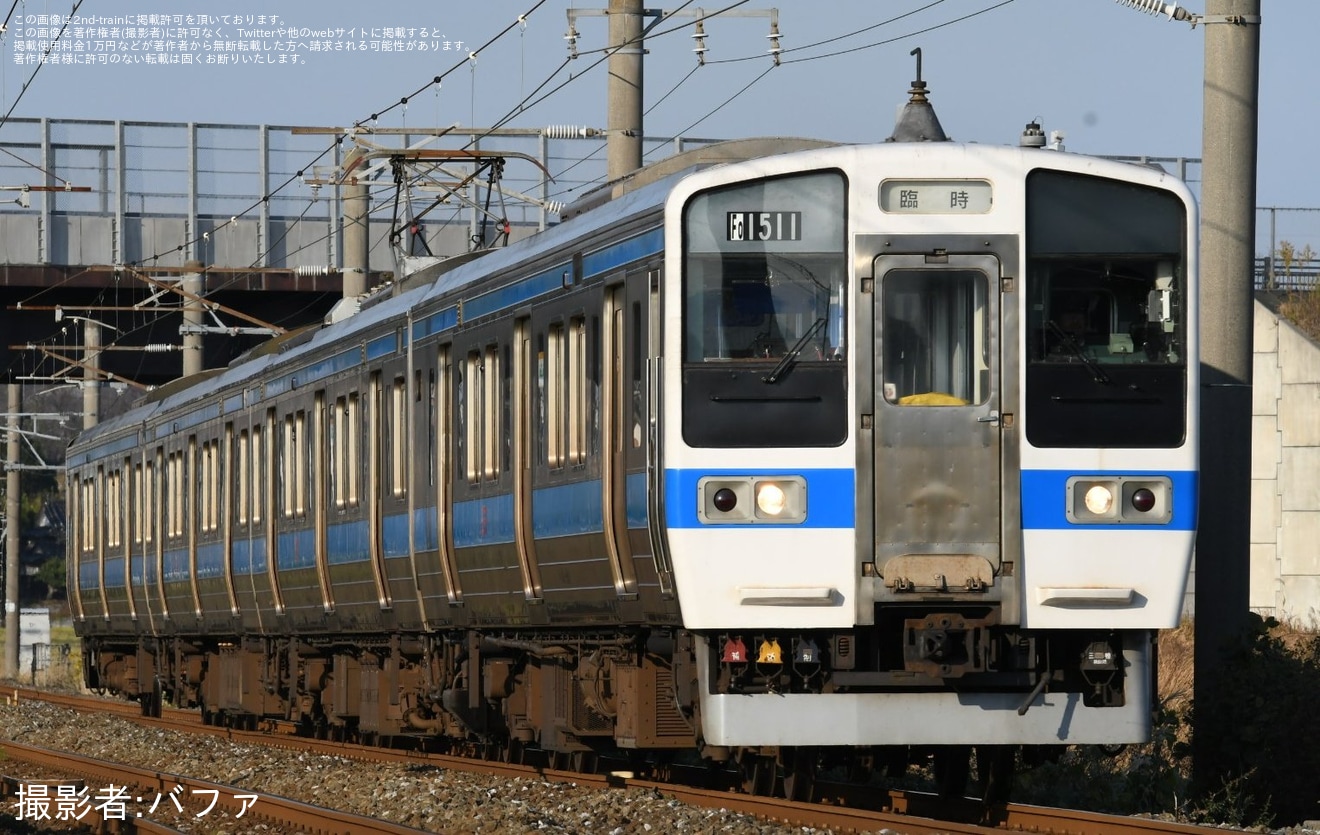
x=764 y=290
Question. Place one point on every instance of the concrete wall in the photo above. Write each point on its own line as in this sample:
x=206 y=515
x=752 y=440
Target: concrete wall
x=1285 y=470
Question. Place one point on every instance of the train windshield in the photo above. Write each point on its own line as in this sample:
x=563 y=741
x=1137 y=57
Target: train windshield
x=763 y=308
x=1106 y=321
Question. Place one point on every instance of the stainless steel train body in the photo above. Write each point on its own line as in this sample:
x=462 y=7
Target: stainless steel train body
x=850 y=446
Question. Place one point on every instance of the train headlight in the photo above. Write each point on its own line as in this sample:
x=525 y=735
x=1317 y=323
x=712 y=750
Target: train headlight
x=1120 y=500
x=1099 y=499
x=770 y=498
x=752 y=500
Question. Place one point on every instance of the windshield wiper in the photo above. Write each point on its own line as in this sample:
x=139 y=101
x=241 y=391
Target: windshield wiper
x=1070 y=344
x=791 y=357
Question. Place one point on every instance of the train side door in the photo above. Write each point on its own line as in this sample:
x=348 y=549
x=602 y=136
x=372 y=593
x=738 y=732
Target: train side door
x=937 y=413
x=620 y=427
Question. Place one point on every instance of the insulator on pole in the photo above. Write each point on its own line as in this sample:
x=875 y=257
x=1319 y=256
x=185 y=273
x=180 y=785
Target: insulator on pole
x=569 y=132
x=1158 y=7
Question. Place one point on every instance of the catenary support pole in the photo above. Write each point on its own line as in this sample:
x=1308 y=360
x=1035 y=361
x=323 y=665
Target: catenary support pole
x=91 y=385
x=192 y=317
x=1228 y=224
x=14 y=403
x=356 y=244
x=623 y=148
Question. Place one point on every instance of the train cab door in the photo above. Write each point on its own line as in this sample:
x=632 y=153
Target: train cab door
x=937 y=438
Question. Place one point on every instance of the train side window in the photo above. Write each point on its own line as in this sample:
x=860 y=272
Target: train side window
x=138 y=502
x=258 y=476
x=302 y=449
x=114 y=506
x=98 y=531
x=242 y=479
x=397 y=432
x=89 y=514
x=638 y=360
x=188 y=488
x=443 y=422
x=591 y=413
x=469 y=393
x=201 y=458
x=353 y=431
x=171 y=476
x=490 y=414
x=430 y=426
x=207 y=476
x=553 y=401
x=335 y=446
x=149 y=502
x=288 y=467
x=576 y=412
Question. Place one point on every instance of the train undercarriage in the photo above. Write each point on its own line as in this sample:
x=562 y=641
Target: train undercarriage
x=633 y=699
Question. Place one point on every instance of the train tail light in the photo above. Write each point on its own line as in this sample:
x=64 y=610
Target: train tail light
x=735 y=651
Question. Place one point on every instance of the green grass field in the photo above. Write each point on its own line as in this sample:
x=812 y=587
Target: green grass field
x=64 y=670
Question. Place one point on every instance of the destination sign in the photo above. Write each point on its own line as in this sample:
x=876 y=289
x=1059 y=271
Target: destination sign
x=764 y=226
x=936 y=197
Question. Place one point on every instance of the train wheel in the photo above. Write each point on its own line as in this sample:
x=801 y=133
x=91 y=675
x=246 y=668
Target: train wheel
x=759 y=773
x=512 y=752
x=799 y=766
x=153 y=702
x=584 y=762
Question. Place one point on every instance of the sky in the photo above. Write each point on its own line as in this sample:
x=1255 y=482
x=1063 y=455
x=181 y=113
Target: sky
x=1114 y=80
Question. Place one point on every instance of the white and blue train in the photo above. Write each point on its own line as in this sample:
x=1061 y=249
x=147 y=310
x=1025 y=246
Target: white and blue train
x=782 y=452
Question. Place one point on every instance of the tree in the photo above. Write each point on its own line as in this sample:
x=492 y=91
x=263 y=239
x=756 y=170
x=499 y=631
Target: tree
x=53 y=574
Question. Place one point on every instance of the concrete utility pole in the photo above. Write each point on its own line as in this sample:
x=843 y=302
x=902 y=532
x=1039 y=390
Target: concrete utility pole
x=91 y=387
x=192 y=319
x=627 y=32
x=623 y=148
x=1228 y=233
x=14 y=403
x=357 y=246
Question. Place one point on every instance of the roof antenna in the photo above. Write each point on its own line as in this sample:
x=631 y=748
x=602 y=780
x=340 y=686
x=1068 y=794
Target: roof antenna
x=917 y=121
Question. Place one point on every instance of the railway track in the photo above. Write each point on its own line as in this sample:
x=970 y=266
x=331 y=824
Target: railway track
x=849 y=808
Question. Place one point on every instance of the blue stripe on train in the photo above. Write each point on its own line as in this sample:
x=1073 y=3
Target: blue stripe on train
x=486 y=521
x=346 y=542
x=1045 y=499
x=249 y=556
x=114 y=572
x=295 y=550
x=831 y=496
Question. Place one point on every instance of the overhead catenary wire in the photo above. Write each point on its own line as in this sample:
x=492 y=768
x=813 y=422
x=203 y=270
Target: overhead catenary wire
x=436 y=81
x=26 y=84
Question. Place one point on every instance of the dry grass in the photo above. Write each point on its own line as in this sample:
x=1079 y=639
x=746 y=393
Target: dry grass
x=1176 y=649
x=1302 y=308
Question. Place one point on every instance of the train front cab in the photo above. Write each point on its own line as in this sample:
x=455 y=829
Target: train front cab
x=891 y=527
